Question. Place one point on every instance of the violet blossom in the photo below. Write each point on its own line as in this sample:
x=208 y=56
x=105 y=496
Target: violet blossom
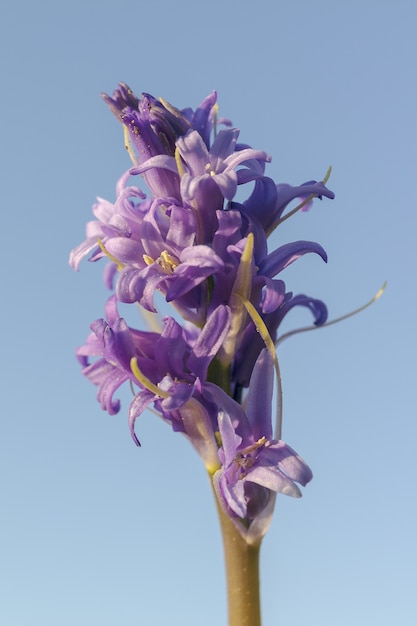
x=254 y=465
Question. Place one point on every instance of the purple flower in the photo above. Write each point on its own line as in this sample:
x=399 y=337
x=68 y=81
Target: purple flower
x=153 y=127
x=207 y=177
x=255 y=466
x=268 y=200
x=121 y=219
x=174 y=365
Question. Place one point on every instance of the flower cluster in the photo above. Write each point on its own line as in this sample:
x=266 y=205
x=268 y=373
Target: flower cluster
x=211 y=376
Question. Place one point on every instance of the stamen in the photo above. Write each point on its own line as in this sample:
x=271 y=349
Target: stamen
x=243 y=282
x=166 y=261
x=246 y=462
x=148 y=259
x=145 y=381
x=170 y=107
x=112 y=258
x=335 y=321
x=128 y=146
x=209 y=169
x=215 y=114
x=240 y=292
x=167 y=105
x=178 y=161
x=254 y=446
x=328 y=173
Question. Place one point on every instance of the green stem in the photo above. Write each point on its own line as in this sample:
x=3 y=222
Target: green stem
x=242 y=575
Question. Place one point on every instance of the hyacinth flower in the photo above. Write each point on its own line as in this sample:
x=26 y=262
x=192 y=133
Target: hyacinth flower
x=209 y=372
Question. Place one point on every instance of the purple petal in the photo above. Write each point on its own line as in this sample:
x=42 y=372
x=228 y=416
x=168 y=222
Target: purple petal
x=230 y=440
x=209 y=341
x=135 y=285
x=202 y=118
x=138 y=405
x=253 y=159
x=259 y=399
x=317 y=308
x=194 y=152
x=171 y=349
x=286 y=193
x=223 y=146
x=127 y=251
x=160 y=161
x=109 y=379
x=78 y=253
x=280 y=455
x=285 y=255
x=198 y=427
x=273 y=479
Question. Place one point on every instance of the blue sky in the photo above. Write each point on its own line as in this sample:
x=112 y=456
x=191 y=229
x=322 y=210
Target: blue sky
x=96 y=531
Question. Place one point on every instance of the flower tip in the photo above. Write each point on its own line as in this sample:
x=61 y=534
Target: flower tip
x=328 y=173
x=72 y=262
x=135 y=439
x=381 y=291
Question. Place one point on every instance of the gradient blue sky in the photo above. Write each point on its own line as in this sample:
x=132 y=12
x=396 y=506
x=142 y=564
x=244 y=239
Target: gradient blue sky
x=97 y=532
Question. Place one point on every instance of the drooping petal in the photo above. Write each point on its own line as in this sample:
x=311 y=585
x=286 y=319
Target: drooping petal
x=288 y=461
x=283 y=256
x=274 y=480
x=138 y=405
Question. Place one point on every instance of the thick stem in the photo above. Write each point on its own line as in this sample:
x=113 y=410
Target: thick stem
x=242 y=574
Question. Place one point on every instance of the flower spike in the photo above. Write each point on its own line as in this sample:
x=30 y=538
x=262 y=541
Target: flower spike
x=209 y=373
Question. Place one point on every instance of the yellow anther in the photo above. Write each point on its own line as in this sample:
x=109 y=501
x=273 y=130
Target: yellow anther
x=209 y=169
x=148 y=259
x=112 y=258
x=168 y=262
